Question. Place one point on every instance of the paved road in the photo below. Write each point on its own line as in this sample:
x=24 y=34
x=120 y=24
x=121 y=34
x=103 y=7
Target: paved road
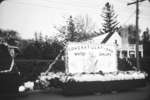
x=137 y=94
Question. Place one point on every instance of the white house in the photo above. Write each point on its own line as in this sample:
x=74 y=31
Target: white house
x=121 y=43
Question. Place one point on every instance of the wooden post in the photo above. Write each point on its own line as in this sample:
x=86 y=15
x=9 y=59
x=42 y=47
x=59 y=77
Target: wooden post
x=137 y=31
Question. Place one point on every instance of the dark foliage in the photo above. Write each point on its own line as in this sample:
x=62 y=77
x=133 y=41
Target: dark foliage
x=9 y=36
x=31 y=69
x=132 y=34
x=40 y=50
x=146 y=43
x=146 y=48
x=128 y=33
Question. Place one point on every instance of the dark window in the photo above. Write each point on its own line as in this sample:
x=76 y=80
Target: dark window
x=118 y=53
x=132 y=54
x=140 y=54
x=124 y=53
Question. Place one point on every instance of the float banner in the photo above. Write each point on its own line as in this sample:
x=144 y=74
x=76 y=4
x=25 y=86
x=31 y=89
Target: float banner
x=90 y=57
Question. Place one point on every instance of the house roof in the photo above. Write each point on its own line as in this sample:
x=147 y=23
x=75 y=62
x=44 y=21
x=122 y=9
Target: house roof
x=107 y=37
x=99 y=38
x=103 y=38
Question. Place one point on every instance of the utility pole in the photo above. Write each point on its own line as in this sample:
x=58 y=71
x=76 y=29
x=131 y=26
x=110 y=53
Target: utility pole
x=137 y=35
x=137 y=31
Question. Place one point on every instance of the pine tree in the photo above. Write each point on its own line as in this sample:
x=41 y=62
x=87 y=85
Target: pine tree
x=109 y=16
x=71 y=30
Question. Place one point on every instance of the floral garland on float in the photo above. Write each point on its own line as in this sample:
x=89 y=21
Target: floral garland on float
x=45 y=80
x=112 y=76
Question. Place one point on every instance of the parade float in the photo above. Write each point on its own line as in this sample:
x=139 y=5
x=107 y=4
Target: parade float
x=89 y=68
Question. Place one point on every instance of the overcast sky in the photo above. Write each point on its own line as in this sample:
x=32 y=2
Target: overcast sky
x=30 y=16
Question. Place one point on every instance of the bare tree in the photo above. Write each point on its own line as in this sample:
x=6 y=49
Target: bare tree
x=84 y=24
x=78 y=28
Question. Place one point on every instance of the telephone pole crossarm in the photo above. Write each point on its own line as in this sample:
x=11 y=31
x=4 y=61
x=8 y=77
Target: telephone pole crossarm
x=135 y=2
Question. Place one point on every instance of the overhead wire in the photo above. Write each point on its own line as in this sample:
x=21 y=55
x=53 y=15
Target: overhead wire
x=54 y=7
x=63 y=8
x=83 y=5
x=129 y=18
x=142 y=12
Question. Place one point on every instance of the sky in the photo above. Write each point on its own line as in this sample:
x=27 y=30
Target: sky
x=30 y=16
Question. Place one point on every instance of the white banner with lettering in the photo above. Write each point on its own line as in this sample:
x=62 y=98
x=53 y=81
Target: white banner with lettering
x=90 y=57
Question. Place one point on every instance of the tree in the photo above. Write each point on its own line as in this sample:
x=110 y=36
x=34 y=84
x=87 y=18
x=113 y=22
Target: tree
x=84 y=25
x=146 y=35
x=132 y=34
x=77 y=29
x=146 y=42
x=10 y=36
x=71 y=34
x=110 y=23
x=67 y=31
x=129 y=33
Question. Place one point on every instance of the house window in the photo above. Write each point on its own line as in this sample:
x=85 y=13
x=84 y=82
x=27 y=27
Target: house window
x=140 y=54
x=124 y=53
x=118 y=54
x=132 y=54
x=116 y=42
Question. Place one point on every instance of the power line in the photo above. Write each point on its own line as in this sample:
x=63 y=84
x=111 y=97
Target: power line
x=145 y=5
x=31 y=4
x=67 y=3
x=54 y=7
x=130 y=16
x=59 y=8
x=137 y=30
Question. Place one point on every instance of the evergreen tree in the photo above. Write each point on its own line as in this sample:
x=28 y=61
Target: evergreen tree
x=109 y=16
x=71 y=29
x=146 y=35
